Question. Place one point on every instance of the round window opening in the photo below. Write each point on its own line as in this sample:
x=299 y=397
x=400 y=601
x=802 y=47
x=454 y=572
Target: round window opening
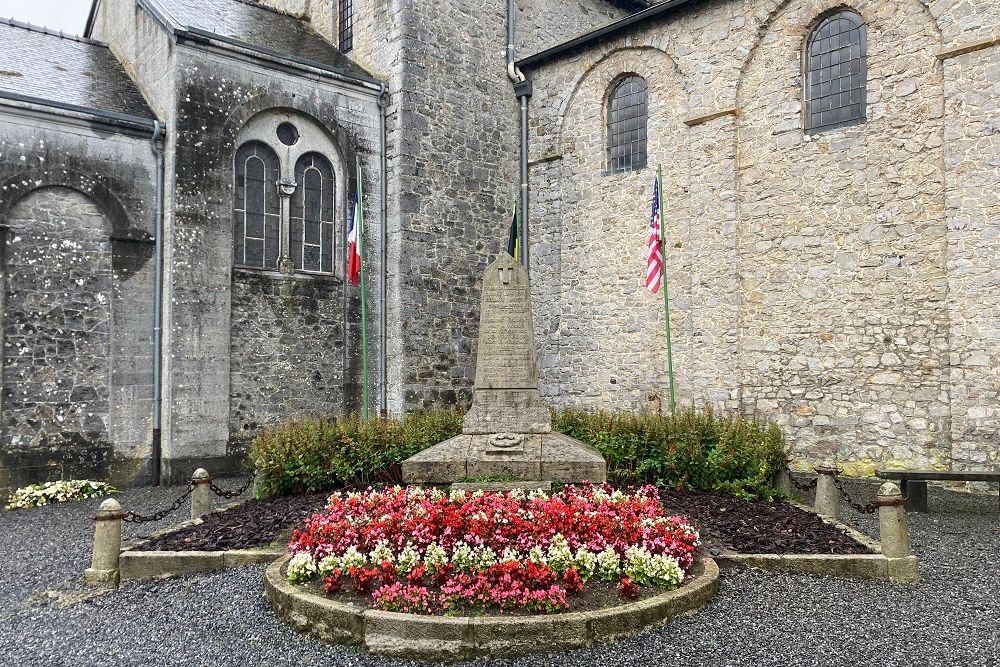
x=287 y=134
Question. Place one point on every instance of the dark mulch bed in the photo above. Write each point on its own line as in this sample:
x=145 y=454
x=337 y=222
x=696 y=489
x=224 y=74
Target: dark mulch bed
x=723 y=521
x=255 y=523
x=758 y=526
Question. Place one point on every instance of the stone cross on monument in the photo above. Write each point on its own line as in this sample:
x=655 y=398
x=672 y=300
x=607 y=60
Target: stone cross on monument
x=508 y=430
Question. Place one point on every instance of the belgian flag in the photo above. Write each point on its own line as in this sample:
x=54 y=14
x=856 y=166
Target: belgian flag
x=514 y=237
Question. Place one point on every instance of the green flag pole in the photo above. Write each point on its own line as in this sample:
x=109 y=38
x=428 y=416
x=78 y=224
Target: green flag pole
x=666 y=292
x=364 y=311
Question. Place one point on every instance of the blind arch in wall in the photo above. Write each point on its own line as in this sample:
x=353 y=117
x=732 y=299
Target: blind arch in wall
x=312 y=233
x=836 y=72
x=627 y=112
x=256 y=207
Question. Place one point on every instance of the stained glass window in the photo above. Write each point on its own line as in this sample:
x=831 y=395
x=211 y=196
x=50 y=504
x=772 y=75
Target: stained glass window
x=836 y=72
x=346 y=40
x=256 y=207
x=627 y=125
x=311 y=234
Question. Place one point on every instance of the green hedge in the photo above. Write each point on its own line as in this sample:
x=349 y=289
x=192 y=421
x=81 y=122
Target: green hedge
x=320 y=454
x=693 y=449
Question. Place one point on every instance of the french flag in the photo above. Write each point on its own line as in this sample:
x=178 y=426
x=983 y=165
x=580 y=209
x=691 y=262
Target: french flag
x=354 y=245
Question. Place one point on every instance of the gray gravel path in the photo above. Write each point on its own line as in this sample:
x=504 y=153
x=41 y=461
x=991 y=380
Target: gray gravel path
x=951 y=618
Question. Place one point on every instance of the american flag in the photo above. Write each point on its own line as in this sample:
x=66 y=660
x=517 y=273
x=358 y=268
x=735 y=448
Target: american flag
x=654 y=256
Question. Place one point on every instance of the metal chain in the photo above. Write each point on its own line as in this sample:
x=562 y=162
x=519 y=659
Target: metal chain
x=222 y=493
x=132 y=517
x=863 y=509
x=808 y=486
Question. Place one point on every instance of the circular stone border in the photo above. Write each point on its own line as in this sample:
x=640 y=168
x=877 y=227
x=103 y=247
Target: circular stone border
x=443 y=638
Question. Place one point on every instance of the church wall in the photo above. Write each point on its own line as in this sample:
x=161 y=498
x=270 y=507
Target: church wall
x=143 y=47
x=77 y=287
x=541 y=24
x=809 y=279
x=217 y=94
x=972 y=163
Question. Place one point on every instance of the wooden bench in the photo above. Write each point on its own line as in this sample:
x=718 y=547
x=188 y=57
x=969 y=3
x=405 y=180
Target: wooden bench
x=913 y=483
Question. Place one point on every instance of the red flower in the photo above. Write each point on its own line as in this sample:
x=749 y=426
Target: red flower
x=628 y=589
x=572 y=581
x=334 y=583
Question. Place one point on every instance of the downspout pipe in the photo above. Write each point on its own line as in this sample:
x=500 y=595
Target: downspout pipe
x=522 y=90
x=157 y=140
x=384 y=248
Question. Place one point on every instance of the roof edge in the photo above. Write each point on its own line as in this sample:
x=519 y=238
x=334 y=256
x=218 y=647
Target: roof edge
x=611 y=30
x=114 y=118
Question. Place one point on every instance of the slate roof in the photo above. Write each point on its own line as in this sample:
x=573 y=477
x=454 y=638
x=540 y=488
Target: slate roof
x=264 y=29
x=48 y=66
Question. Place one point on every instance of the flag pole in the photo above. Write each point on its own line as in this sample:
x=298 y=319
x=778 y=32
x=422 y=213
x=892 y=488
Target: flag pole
x=364 y=311
x=666 y=291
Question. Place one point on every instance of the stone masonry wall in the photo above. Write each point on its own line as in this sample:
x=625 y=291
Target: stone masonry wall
x=972 y=163
x=217 y=95
x=287 y=351
x=78 y=317
x=820 y=281
x=57 y=325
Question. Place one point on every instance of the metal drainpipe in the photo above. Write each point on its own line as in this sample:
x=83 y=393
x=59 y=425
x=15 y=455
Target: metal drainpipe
x=383 y=315
x=522 y=90
x=158 y=136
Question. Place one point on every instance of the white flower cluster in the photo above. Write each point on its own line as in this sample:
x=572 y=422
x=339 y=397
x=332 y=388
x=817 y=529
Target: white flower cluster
x=652 y=569
x=57 y=492
x=608 y=564
x=301 y=568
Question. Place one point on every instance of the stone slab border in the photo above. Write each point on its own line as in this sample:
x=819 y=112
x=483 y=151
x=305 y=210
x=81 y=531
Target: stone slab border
x=848 y=566
x=440 y=638
x=134 y=564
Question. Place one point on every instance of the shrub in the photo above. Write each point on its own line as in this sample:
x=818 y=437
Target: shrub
x=58 y=492
x=693 y=449
x=321 y=454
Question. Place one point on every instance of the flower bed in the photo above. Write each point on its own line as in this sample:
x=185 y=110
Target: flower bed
x=62 y=491
x=423 y=551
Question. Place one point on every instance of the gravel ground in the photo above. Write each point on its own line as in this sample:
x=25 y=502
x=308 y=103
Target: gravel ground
x=952 y=617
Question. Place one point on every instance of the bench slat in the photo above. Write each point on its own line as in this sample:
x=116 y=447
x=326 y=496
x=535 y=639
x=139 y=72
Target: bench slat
x=942 y=475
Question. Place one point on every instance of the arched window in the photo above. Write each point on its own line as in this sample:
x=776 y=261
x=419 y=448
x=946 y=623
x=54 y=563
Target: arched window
x=627 y=125
x=311 y=234
x=836 y=72
x=256 y=207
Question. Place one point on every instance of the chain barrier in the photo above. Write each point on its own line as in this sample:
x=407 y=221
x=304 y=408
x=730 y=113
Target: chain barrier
x=807 y=486
x=222 y=493
x=870 y=508
x=132 y=517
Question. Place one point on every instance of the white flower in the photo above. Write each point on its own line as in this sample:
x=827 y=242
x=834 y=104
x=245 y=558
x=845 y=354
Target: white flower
x=559 y=556
x=328 y=565
x=435 y=556
x=608 y=564
x=408 y=559
x=353 y=558
x=301 y=568
x=381 y=554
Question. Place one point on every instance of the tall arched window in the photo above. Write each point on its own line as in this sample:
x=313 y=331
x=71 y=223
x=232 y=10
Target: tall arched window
x=256 y=207
x=836 y=72
x=627 y=107
x=311 y=234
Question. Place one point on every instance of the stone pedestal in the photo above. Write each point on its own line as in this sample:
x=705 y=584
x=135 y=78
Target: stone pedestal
x=508 y=431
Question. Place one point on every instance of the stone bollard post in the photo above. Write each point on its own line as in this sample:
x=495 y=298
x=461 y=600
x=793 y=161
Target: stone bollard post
x=783 y=483
x=827 y=496
x=894 y=536
x=103 y=570
x=892 y=531
x=201 y=493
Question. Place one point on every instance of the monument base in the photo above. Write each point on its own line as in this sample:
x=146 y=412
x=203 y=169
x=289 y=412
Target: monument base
x=525 y=456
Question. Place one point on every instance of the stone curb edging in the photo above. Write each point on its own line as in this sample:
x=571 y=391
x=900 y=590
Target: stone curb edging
x=439 y=638
x=133 y=564
x=849 y=566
